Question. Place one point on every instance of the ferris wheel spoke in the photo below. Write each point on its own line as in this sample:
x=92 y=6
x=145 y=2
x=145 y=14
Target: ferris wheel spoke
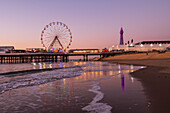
x=65 y=38
x=48 y=41
x=49 y=35
x=65 y=32
x=57 y=30
x=50 y=29
x=62 y=29
x=64 y=41
x=46 y=32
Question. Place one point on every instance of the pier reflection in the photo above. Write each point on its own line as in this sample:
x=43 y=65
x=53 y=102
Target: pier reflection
x=67 y=92
x=66 y=89
x=44 y=65
x=122 y=82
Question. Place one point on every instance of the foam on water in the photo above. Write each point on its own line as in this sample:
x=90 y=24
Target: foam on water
x=95 y=106
x=40 y=78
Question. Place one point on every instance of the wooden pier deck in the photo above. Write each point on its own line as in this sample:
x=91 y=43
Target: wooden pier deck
x=46 y=57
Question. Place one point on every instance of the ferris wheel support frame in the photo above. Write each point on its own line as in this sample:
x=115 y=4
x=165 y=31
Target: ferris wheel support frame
x=56 y=38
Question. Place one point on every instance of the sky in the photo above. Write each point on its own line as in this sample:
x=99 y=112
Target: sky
x=94 y=24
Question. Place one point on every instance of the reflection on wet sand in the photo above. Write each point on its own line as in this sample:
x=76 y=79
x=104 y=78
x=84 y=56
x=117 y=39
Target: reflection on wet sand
x=123 y=82
x=70 y=94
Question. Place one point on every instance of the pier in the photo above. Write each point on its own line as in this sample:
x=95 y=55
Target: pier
x=46 y=57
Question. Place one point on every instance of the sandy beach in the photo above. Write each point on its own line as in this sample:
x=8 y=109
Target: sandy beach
x=155 y=78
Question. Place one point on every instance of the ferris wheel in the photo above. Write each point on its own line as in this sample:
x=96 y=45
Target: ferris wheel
x=56 y=35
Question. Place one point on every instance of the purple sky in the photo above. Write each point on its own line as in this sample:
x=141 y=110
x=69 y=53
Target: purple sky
x=93 y=23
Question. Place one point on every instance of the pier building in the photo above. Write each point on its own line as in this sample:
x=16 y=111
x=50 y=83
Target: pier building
x=84 y=51
x=34 y=50
x=6 y=48
x=142 y=46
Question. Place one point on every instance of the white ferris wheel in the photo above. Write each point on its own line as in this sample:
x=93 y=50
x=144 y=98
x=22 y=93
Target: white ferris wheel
x=56 y=35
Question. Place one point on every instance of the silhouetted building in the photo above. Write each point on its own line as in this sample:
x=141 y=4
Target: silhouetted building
x=6 y=48
x=121 y=36
x=16 y=51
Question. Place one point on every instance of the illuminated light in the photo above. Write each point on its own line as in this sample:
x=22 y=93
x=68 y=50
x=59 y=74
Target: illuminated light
x=131 y=44
x=101 y=72
x=131 y=67
x=64 y=81
x=44 y=65
x=34 y=64
x=119 y=71
x=132 y=79
x=141 y=45
x=151 y=45
x=92 y=72
x=160 y=44
x=39 y=64
x=77 y=78
x=111 y=73
x=143 y=67
x=50 y=66
x=119 y=67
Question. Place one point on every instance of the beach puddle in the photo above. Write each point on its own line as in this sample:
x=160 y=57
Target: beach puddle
x=94 y=87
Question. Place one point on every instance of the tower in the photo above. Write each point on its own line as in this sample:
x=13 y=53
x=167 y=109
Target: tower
x=121 y=36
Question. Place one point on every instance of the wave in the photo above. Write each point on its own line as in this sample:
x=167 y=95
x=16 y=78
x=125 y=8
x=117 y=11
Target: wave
x=95 y=106
x=40 y=78
x=24 y=72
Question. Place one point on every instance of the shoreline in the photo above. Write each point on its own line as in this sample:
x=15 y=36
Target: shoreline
x=155 y=79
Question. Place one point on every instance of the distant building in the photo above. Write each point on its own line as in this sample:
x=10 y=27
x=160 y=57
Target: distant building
x=140 y=46
x=152 y=45
x=121 y=36
x=84 y=51
x=16 y=51
x=143 y=46
x=6 y=48
x=34 y=50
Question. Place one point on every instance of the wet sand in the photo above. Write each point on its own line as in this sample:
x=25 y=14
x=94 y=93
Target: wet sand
x=100 y=87
x=155 y=78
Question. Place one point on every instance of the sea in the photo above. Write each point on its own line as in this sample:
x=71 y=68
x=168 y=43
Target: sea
x=71 y=87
